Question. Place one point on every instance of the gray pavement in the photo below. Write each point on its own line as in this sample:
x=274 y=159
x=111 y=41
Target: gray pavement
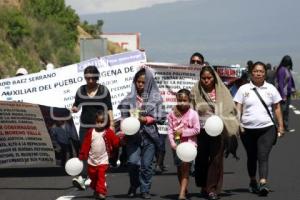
x=53 y=183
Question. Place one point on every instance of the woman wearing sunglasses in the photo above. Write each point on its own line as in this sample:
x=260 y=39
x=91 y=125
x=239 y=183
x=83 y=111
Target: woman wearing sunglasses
x=90 y=98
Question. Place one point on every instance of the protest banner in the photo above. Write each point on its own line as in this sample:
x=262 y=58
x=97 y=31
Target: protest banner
x=229 y=74
x=25 y=139
x=170 y=78
x=57 y=88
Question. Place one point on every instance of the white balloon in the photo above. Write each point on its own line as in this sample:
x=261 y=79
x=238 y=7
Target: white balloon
x=214 y=126
x=130 y=125
x=74 y=166
x=186 y=151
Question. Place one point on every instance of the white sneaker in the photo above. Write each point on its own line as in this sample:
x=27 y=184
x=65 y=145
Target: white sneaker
x=79 y=183
x=87 y=182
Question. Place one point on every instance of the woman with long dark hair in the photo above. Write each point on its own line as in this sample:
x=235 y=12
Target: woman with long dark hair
x=286 y=88
x=211 y=97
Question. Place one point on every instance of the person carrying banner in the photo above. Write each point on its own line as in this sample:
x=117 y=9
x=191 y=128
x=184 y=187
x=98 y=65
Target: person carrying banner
x=233 y=87
x=249 y=65
x=145 y=100
x=211 y=97
x=197 y=59
x=271 y=74
x=90 y=98
x=63 y=137
x=254 y=101
x=183 y=126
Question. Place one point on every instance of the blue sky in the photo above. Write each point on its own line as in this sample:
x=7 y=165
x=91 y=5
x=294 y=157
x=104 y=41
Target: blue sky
x=226 y=32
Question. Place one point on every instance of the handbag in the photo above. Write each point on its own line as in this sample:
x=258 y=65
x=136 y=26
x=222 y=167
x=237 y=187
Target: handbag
x=269 y=113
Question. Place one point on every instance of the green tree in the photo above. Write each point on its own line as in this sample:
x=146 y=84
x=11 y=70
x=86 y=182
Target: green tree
x=94 y=30
x=15 y=24
x=42 y=9
x=41 y=31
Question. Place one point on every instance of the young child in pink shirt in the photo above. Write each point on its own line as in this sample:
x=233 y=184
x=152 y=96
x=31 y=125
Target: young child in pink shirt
x=96 y=148
x=183 y=126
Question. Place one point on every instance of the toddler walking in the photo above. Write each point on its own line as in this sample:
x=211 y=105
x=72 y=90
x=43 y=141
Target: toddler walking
x=96 y=148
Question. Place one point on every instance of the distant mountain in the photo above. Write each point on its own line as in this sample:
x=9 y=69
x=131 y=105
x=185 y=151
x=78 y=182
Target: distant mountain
x=226 y=32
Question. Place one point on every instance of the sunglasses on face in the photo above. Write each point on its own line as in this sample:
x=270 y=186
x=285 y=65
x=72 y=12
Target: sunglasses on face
x=91 y=77
x=196 y=62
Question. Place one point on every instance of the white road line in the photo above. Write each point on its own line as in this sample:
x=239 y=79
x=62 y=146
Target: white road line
x=65 y=198
x=297 y=112
x=292 y=107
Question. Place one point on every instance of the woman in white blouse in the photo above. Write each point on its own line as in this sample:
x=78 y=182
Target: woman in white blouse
x=259 y=132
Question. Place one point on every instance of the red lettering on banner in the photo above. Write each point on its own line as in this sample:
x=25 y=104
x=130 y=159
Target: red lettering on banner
x=223 y=72
x=170 y=99
x=14 y=132
x=122 y=44
x=33 y=133
x=13 y=127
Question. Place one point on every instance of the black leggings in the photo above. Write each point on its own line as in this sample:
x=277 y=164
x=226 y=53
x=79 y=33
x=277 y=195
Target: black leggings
x=258 y=144
x=209 y=162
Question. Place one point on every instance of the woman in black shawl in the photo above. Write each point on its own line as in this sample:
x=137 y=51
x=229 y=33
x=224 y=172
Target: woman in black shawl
x=145 y=102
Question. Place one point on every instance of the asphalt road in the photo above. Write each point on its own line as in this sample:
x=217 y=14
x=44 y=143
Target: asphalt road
x=53 y=183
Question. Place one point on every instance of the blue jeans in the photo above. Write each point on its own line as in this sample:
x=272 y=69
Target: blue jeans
x=140 y=157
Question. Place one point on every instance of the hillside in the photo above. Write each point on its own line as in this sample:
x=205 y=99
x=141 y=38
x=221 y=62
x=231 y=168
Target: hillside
x=11 y=3
x=34 y=33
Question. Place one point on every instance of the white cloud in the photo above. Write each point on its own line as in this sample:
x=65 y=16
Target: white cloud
x=105 y=6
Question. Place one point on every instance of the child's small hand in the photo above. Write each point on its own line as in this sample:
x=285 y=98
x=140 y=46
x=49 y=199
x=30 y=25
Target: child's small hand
x=112 y=128
x=121 y=135
x=174 y=147
x=74 y=109
x=143 y=120
x=178 y=132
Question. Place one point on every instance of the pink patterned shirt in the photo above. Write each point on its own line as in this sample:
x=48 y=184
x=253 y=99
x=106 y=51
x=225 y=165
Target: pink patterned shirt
x=188 y=123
